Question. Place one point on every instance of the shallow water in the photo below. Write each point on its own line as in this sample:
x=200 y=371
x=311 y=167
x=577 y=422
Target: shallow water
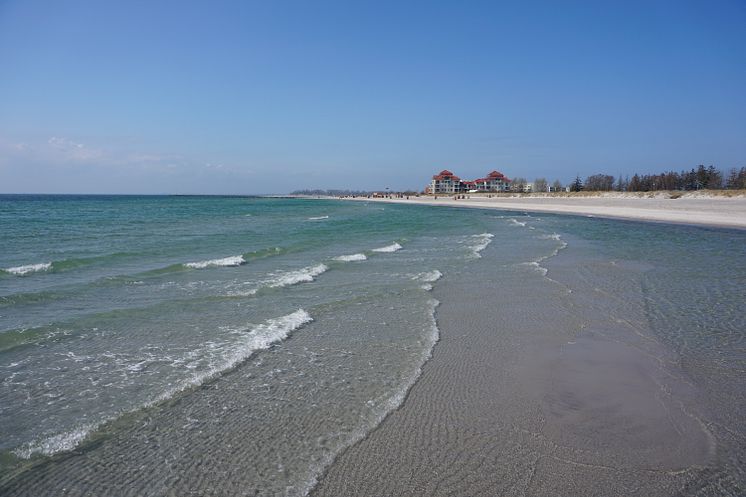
x=156 y=345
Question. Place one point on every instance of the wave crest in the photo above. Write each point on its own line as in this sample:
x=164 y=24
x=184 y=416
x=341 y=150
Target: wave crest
x=479 y=243
x=232 y=261
x=29 y=268
x=351 y=258
x=305 y=275
x=429 y=276
x=388 y=248
x=251 y=339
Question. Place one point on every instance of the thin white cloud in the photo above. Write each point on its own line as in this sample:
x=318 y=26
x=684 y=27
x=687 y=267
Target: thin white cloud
x=62 y=164
x=58 y=151
x=72 y=151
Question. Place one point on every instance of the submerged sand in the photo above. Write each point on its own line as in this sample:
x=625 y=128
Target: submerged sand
x=537 y=390
x=688 y=208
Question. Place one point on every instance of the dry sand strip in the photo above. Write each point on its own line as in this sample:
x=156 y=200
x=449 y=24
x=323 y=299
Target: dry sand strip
x=695 y=208
x=529 y=406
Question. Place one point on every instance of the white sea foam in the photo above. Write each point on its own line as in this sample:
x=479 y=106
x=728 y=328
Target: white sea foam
x=427 y=278
x=553 y=236
x=429 y=342
x=515 y=222
x=556 y=237
x=305 y=275
x=430 y=276
x=281 y=279
x=243 y=293
x=56 y=443
x=479 y=243
x=536 y=266
x=318 y=218
x=29 y=268
x=251 y=339
x=388 y=248
x=235 y=260
x=351 y=258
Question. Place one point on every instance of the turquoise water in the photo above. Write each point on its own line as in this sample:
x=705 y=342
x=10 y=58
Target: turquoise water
x=247 y=341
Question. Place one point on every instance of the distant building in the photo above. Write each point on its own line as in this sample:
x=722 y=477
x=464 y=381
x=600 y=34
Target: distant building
x=560 y=188
x=494 y=182
x=445 y=183
x=448 y=183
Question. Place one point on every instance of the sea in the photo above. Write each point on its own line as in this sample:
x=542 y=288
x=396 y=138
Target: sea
x=207 y=345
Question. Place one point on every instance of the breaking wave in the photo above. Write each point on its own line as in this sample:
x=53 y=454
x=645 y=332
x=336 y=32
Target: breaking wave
x=251 y=339
x=515 y=222
x=305 y=275
x=351 y=258
x=479 y=243
x=63 y=264
x=283 y=279
x=28 y=268
x=232 y=261
x=388 y=248
x=428 y=278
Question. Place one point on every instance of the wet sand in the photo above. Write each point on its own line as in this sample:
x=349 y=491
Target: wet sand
x=690 y=208
x=534 y=390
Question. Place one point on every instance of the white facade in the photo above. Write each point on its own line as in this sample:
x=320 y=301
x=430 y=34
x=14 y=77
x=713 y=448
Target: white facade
x=448 y=183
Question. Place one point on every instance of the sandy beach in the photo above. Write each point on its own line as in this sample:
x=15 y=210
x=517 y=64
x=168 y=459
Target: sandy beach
x=697 y=208
x=575 y=396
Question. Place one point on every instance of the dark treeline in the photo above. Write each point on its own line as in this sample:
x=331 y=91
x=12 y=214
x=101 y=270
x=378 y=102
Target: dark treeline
x=697 y=179
x=333 y=193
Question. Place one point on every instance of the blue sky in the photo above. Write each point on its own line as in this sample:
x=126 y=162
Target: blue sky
x=267 y=97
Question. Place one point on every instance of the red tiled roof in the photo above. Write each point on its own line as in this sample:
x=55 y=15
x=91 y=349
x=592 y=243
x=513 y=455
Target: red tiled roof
x=446 y=174
x=496 y=174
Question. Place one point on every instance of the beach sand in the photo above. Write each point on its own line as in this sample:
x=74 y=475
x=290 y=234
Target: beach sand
x=690 y=208
x=535 y=390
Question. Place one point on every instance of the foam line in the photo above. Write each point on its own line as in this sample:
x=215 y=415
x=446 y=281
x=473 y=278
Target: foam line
x=234 y=260
x=251 y=339
x=388 y=248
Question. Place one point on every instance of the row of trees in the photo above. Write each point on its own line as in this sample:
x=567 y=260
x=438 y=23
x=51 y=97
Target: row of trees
x=697 y=179
x=539 y=185
x=332 y=193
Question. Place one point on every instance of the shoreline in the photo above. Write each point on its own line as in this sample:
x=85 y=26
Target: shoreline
x=565 y=401
x=691 y=209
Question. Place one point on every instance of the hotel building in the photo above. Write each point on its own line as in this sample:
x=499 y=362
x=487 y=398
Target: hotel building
x=448 y=183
